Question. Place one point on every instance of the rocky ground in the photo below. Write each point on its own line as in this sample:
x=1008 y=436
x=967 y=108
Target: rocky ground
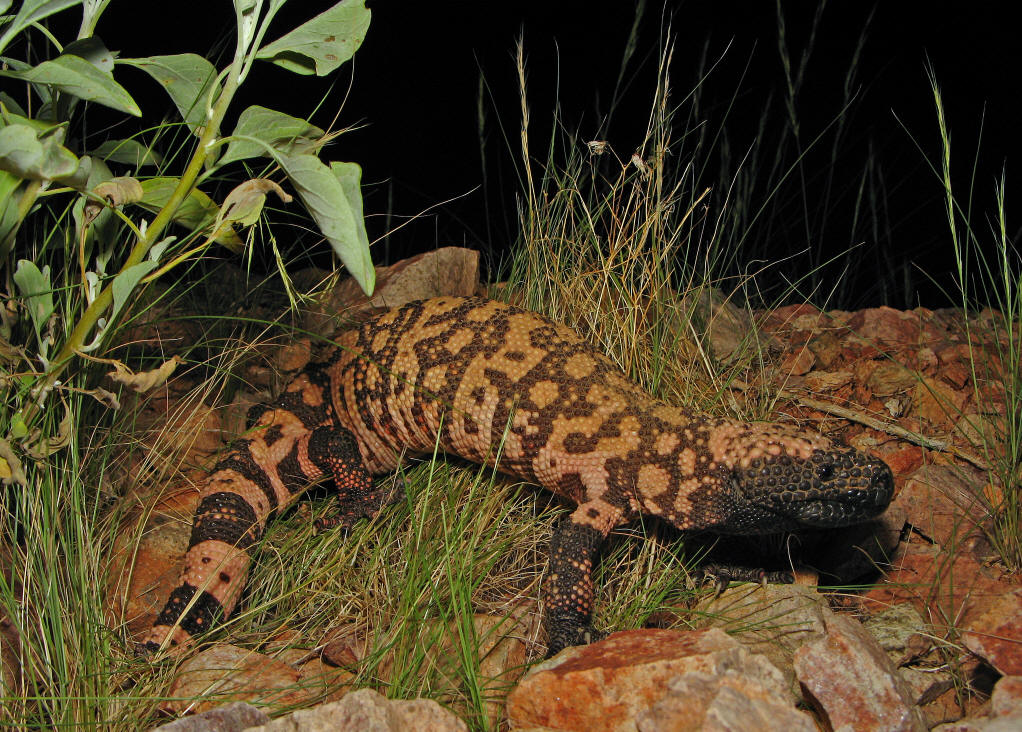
x=936 y=642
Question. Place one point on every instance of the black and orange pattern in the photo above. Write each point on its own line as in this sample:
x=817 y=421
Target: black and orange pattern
x=482 y=379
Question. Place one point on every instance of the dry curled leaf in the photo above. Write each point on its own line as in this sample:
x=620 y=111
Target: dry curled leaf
x=104 y=397
x=10 y=466
x=115 y=192
x=244 y=204
x=40 y=446
x=144 y=380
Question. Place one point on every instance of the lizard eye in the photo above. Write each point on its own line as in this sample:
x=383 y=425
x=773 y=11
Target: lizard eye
x=825 y=472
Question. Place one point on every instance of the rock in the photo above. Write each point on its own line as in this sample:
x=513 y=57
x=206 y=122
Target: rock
x=323 y=680
x=444 y=271
x=11 y=668
x=228 y=673
x=797 y=363
x=604 y=686
x=345 y=645
x=228 y=718
x=730 y=701
x=852 y=682
x=819 y=381
x=775 y=620
x=502 y=655
x=938 y=402
x=886 y=328
x=1004 y=713
x=1006 y=700
x=902 y=460
x=294 y=356
x=899 y=630
x=945 y=708
x=890 y=378
x=939 y=502
x=828 y=348
x=145 y=567
x=366 y=710
x=946 y=589
x=726 y=327
x=996 y=634
x=502 y=645
x=926 y=684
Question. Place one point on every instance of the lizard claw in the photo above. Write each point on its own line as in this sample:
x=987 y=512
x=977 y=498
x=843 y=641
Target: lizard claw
x=722 y=575
x=564 y=632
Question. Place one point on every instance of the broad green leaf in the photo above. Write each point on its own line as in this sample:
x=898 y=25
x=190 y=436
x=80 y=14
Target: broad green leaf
x=327 y=200
x=8 y=183
x=322 y=44
x=75 y=76
x=32 y=11
x=79 y=180
x=122 y=287
x=13 y=118
x=10 y=104
x=349 y=175
x=124 y=284
x=93 y=50
x=187 y=79
x=10 y=220
x=26 y=155
x=129 y=152
x=197 y=212
x=285 y=133
x=18 y=427
x=35 y=287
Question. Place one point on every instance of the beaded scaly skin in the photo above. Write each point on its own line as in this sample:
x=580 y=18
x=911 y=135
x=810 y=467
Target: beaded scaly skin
x=472 y=375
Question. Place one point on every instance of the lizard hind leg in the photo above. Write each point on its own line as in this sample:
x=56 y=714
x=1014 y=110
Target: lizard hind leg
x=335 y=451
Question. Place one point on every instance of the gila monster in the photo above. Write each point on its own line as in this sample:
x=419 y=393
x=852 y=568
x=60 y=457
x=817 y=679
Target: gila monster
x=467 y=374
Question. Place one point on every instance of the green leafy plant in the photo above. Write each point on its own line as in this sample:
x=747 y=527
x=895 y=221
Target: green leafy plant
x=39 y=170
x=86 y=223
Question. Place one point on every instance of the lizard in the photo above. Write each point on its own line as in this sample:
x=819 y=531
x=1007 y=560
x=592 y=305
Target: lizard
x=467 y=374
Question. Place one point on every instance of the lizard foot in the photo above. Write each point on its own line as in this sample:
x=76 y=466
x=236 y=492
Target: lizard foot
x=565 y=631
x=721 y=575
x=350 y=512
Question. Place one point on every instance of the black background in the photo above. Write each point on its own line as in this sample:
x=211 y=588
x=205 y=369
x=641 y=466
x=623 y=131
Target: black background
x=414 y=83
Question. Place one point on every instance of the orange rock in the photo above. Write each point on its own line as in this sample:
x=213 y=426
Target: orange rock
x=145 y=566
x=294 y=356
x=938 y=402
x=948 y=590
x=903 y=460
x=226 y=673
x=603 y=686
x=940 y=502
x=853 y=682
x=996 y=633
x=798 y=362
x=818 y=381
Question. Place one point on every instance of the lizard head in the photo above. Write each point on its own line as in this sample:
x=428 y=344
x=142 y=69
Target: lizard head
x=782 y=480
x=835 y=487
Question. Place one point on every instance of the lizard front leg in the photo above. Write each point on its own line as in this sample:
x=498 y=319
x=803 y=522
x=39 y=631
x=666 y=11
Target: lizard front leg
x=336 y=452
x=569 y=592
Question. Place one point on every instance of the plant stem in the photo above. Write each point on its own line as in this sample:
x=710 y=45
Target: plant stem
x=185 y=185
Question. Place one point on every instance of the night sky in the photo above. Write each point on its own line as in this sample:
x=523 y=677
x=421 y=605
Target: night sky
x=415 y=81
